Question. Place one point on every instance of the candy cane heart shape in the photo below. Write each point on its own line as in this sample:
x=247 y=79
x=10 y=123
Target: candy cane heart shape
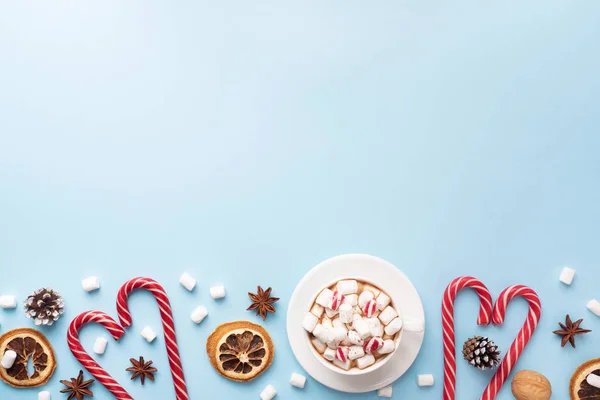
x=88 y=362
x=485 y=316
x=516 y=348
x=166 y=315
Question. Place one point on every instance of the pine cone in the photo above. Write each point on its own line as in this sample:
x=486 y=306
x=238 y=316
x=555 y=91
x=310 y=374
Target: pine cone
x=45 y=306
x=481 y=353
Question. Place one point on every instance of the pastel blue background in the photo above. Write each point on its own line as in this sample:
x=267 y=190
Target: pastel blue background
x=245 y=142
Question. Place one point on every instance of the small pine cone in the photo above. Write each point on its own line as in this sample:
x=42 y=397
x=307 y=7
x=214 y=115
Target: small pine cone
x=482 y=353
x=45 y=306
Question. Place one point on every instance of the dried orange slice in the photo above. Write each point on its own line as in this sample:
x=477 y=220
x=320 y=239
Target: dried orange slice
x=579 y=388
x=240 y=350
x=27 y=343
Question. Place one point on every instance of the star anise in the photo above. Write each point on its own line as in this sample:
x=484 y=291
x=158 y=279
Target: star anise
x=142 y=369
x=262 y=302
x=77 y=388
x=569 y=330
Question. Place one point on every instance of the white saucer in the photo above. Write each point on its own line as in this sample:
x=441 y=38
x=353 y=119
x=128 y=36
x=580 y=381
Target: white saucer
x=403 y=294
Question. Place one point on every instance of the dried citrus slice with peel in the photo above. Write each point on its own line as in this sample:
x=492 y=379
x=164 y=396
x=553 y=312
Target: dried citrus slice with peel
x=240 y=350
x=579 y=387
x=28 y=344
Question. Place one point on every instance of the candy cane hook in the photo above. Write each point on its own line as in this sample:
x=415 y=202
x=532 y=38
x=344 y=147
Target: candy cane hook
x=485 y=313
x=88 y=362
x=166 y=315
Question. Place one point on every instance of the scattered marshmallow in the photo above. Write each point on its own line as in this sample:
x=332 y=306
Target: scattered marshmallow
x=372 y=289
x=90 y=284
x=348 y=286
x=388 y=347
x=369 y=308
x=567 y=275
x=100 y=345
x=329 y=354
x=8 y=301
x=320 y=346
x=593 y=380
x=594 y=306
x=148 y=334
x=385 y=392
x=341 y=364
x=383 y=300
x=364 y=298
x=341 y=353
x=335 y=336
x=298 y=380
x=321 y=333
x=268 y=393
x=199 y=314
x=413 y=324
x=317 y=310
x=346 y=313
x=187 y=281
x=324 y=298
x=355 y=352
x=365 y=361
x=362 y=328
x=331 y=313
x=45 y=395
x=9 y=358
x=309 y=322
x=387 y=315
x=354 y=338
x=351 y=299
x=393 y=327
x=425 y=380
x=373 y=345
x=217 y=292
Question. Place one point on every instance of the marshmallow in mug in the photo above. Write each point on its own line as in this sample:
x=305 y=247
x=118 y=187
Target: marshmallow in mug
x=346 y=313
x=349 y=286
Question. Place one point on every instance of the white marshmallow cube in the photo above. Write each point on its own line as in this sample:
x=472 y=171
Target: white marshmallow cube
x=351 y=299
x=8 y=301
x=354 y=338
x=356 y=317
x=567 y=275
x=321 y=333
x=337 y=323
x=373 y=290
x=217 y=292
x=199 y=314
x=593 y=380
x=383 y=300
x=317 y=310
x=364 y=298
x=394 y=327
x=387 y=315
x=298 y=380
x=324 y=298
x=347 y=287
x=388 y=347
x=90 y=284
x=362 y=328
x=345 y=365
x=375 y=326
x=331 y=313
x=148 y=334
x=425 y=380
x=329 y=354
x=100 y=345
x=309 y=322
x=594 y=306
x=9 y=358
x=355 y=352
x=326 y=322
x=413 y=324
x=187 y=281
x=365 y=361
x=346 y=313
x=44 y=395
x=335 y=337
x=318 y=345
x=268 y=393
x=385 y=392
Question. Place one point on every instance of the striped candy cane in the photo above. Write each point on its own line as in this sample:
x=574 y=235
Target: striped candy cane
x=88 y=362
x=513 y=354
x=166 y=315
x=485 y=313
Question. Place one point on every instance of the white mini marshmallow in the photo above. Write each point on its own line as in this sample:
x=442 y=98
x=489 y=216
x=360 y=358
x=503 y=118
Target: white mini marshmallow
x=346 y=313
x=268 y=393
x=365 y=361
x=343 y=365
x=8 y=301
x=388 y=347
x=100 y=345
x=331 y=313
x=337 y=323
x=385 y=392
x=387 y=315
x=355 y=352
x=321 y=333
x=148 y=334
x=329 y=354
x=372 y=290
x=365 y=297
x=324 y=298
x=187 y=281
x=594 y=306
x=335 y=337
x=356 y=317
x=383 y=300
x=318 y=345
x=375 y=326
x=309 y=322
x=327 y=323
x=393 y=327
x=217 y=292
x=90 y=284
x=425 y=380
x=199 y=314
x=354 y=338
x=298 y=380
x=567 y=275
x=44 y=395
x=9 y=358
x=351 y=299
x=349 y=286
x=593 y=380
x=317 y=310
x=413 y=324
x=362 y=328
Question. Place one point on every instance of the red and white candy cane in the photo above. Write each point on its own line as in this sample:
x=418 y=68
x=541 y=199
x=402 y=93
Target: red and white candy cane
x=166 y=315
x=83 y=357
x=516 y=348
x=485 y=314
